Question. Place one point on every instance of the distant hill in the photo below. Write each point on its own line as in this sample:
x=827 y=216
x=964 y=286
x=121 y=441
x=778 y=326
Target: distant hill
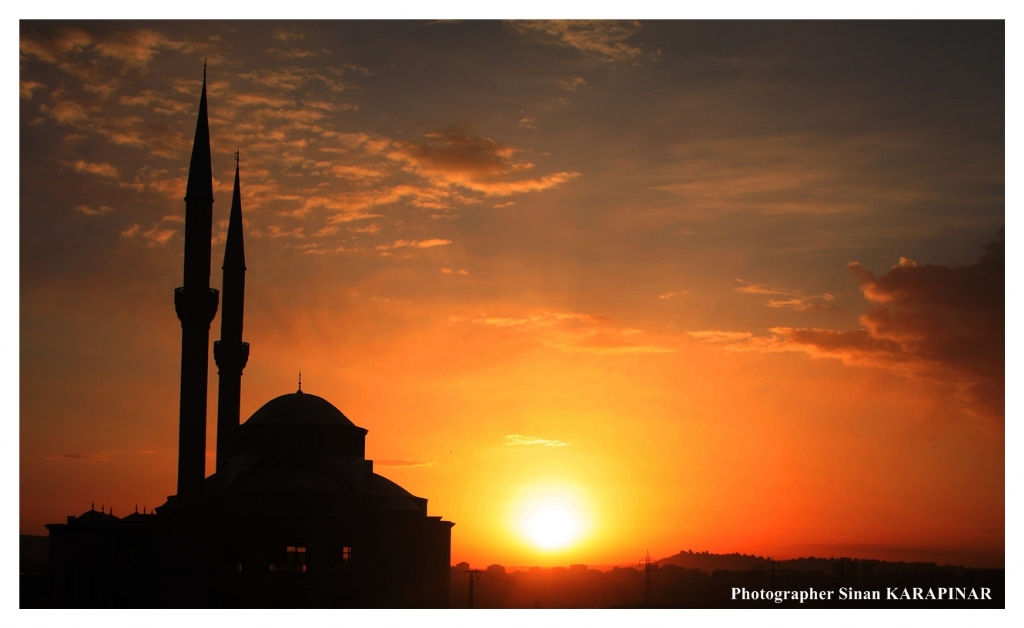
x=742 y=562
x=710 y=562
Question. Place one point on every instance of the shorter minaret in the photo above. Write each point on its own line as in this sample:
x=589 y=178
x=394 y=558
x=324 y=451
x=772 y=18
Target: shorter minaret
x=230 y=352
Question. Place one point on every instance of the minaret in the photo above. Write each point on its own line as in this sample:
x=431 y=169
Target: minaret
x=196 y=305
x=230 y=352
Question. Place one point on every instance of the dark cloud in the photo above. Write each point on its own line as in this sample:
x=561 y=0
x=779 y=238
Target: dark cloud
x=938 y=321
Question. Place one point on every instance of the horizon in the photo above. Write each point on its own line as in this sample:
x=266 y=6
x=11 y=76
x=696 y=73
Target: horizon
x=594 y=288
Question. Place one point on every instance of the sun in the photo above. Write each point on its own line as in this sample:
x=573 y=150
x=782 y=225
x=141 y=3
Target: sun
x=552 y=524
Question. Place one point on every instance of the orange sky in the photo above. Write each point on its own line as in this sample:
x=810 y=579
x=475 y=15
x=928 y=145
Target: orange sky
x=720 y=286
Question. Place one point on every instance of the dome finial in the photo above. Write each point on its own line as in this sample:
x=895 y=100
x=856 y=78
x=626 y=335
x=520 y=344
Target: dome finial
x=299 y=391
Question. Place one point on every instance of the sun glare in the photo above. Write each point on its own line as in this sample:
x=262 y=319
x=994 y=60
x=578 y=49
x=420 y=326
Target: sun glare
x=552 y=524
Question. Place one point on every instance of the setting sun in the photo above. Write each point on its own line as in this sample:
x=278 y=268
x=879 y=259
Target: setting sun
x=552 y=524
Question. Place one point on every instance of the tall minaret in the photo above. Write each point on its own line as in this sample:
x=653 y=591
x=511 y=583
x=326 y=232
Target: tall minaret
x=196 y=305
x=230 y=352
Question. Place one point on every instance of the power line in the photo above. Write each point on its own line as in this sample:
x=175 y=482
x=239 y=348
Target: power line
x=32 y=490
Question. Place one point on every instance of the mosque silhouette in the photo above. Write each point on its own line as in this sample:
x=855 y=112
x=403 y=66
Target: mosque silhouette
x=294 y=515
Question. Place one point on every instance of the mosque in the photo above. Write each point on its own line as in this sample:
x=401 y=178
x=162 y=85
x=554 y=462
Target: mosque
x=294 y=515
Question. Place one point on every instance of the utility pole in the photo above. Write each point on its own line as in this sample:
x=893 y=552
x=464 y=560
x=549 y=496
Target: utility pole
x=772 y=561
x=473 y=576
x=648 y=569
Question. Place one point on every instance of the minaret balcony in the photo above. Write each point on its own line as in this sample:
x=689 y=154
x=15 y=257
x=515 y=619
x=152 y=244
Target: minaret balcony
x=196 y=306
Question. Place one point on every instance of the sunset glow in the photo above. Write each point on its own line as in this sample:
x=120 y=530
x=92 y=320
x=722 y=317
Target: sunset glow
x=594 y=288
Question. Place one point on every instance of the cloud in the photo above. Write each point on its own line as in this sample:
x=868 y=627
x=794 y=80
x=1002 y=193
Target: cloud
x=778 y=173
x=528 y=123
x=357 y=173
x=260 y=100
x=449 y=271
x=453 y=158
x=403 y=463
x=930 y=321
x=573 y=84
x=79 y=457
x=371 y=229
x=98 y=169
x=519 y=439
x=674 y=293
x=157 y=103
x=603 y=39
x=156 y=235
x=416 y=244
x=55 y=46
x=720 y=336
x=797 y=301
x=67 y=112
x=136 y=48
x=298 y=164
x=89 y=211
x=575 y=332
x=28 y=88
x=290 y=35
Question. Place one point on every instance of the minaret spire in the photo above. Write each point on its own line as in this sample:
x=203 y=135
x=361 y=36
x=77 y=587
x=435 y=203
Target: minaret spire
x=230 y=352
x=196 y=305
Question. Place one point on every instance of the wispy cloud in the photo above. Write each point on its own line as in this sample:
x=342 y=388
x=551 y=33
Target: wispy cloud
x=528 y=123
x=98 y=169
x=451 y=157
x=797 y=301
x=574 y=83
x=720 y=336
x=157 y=235
x=575 y=332
x=602 y=39
x=416 y=244
x=89 y=211
x=79 y=457
x=519 y=439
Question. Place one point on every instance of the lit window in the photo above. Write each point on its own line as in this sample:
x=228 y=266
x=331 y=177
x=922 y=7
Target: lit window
x=346 y=559
x=295 y=559
x=296 y=555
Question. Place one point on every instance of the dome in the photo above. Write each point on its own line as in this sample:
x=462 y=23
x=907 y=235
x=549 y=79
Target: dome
x=299 y=445
x=299 y=408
